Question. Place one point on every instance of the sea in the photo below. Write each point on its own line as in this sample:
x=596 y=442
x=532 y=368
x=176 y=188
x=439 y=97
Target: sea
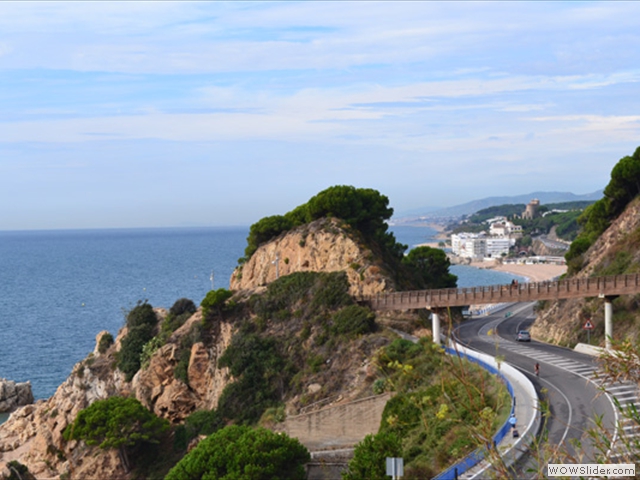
x=60 y=288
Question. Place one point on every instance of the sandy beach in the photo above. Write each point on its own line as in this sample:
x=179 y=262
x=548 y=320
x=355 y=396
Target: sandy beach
x=535 y=272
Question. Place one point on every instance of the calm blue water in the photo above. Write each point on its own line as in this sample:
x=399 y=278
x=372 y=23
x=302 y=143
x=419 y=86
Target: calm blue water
x=58 y=289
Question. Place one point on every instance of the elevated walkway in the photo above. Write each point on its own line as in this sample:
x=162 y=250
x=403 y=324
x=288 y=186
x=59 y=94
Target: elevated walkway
x=603 y=287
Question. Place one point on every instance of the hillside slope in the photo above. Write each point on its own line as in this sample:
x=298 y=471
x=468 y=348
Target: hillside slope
x=609 y=244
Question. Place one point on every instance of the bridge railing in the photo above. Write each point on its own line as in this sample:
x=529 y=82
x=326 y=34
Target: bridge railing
x=550 y=289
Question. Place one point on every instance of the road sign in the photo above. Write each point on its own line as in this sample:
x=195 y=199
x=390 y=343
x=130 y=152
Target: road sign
x=395 y=467
x=588 y=325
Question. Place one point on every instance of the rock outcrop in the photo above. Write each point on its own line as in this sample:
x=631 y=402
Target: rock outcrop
x=324 y=245
x=14 y=395
x=33 y=434
x=160 y=391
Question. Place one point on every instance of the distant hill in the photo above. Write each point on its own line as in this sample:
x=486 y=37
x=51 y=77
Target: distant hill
x=428 y=214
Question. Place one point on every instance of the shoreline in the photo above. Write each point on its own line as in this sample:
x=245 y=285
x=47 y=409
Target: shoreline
x=536 y=272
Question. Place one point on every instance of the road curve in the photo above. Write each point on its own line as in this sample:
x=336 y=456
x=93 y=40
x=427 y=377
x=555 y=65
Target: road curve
x=573 y=400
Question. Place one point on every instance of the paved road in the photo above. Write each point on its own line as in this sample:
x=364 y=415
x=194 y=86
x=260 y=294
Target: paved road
x=565 y=381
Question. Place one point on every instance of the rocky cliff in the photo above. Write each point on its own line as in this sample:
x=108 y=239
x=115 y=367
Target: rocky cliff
x=337 y=370
x=617 y=250
x=14 y=395
x=325 y=245
x=33 y=434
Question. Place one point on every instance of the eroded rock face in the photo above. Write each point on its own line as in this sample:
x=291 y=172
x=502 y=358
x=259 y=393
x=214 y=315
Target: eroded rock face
x=14 y=395
x=160 y=391
x=321 y=246
x=33 y=434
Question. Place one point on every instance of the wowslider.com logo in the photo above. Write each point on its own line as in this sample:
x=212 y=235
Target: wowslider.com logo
x=591 y=469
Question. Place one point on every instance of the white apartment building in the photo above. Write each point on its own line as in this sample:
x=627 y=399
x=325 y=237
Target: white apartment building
x=479 y=245
x=497 y=246
x=469 y=245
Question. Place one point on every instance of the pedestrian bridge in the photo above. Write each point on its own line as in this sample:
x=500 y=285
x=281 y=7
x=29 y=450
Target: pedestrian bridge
x=610 y=286
x=603 y=287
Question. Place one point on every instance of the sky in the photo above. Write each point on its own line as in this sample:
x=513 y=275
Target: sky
x=157 y=114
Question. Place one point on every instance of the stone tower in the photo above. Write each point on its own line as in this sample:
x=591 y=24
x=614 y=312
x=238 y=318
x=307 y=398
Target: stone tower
x=532 y=209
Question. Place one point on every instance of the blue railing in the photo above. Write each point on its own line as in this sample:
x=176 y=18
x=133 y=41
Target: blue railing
x=477 y=456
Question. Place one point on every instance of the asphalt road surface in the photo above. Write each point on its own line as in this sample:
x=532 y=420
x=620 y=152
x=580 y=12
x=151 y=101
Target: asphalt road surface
x=565 y=384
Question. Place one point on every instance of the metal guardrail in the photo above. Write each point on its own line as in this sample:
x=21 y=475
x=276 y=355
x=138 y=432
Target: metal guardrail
x=475 y=457
x=524 y=292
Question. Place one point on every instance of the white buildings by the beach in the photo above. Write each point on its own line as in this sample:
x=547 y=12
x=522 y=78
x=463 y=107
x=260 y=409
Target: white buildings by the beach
x=501 y=227
x=480 y=245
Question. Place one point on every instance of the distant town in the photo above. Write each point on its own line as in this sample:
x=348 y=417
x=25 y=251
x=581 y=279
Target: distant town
x=502 y=239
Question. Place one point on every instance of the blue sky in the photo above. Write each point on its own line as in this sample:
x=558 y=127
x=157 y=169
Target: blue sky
x=144 y=114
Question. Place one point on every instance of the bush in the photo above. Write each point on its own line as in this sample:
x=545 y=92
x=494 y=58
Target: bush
x=131 y=350
x=105 y=342
x=354 y=320
x=214 y=303
x=142 y=315
x=237 y=452
x=117 y=422
x=182 y=305
x=261 y=374
x=369 y=457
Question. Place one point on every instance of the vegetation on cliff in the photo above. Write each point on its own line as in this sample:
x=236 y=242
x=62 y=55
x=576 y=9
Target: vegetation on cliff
x=141 y=323
x=608 y=244
x=299 y=340
x=443 y=409
x=364 y=209
x=119 y=423
x=623 y=187
x=363 y=214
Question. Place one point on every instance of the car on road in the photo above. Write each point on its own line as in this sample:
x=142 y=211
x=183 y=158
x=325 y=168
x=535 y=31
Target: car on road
x=523 y=336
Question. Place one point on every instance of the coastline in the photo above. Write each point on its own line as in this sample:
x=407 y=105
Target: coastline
x=537 y=272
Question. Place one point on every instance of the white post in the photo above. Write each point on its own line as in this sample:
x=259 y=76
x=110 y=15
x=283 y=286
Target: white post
x=435 y=327
x=608 y=321
x=276 y=262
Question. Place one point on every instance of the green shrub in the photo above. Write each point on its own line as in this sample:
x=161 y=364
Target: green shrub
x=105 y=342
x=181 y=306
x=128 y=357
x=119 y=423
x=260 y=373
x=369 y=457
x=214 y=303
x=354 y=320
x=238 y=452
x=141 y=315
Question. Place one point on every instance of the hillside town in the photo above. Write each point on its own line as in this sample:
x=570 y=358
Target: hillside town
x=500 y=241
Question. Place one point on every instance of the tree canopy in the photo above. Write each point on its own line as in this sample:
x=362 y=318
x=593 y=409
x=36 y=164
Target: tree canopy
x=364 y=209
x=117 y=422
x=431 y=267
x=243 y=453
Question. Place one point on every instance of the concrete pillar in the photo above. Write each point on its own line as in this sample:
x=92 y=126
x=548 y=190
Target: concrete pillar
x=435 y=327
x=608 y=321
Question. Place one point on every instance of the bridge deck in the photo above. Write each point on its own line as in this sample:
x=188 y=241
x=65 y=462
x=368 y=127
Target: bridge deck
x=524 y=292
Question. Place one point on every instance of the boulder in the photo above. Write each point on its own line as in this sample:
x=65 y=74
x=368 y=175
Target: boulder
x=14 y=395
